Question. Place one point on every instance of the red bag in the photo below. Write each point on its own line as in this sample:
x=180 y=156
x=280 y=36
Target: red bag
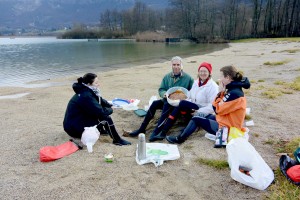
x=294 y=173
x=51 y=153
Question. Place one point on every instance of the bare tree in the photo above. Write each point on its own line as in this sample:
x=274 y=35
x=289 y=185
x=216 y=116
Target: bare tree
x=257 y=9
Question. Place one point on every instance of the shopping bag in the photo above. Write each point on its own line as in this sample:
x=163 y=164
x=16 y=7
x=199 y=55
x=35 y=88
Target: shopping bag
x=242 y=155
x=51 y=153
x=157 y=153
x=236 y=133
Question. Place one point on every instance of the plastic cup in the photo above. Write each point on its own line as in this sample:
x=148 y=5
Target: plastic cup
x=109 y=157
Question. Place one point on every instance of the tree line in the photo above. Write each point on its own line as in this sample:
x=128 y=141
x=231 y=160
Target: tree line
x=207 y=20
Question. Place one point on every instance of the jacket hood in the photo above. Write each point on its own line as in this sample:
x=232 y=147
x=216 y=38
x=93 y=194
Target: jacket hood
x=244 y=83
x=78 y=88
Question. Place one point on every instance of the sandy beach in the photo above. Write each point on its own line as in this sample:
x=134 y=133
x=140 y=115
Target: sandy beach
x=35 y=120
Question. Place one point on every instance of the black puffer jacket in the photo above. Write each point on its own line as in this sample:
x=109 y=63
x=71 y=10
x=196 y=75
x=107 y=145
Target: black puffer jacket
x=84 y=110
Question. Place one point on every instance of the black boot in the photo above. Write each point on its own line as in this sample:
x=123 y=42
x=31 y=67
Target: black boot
x=121 y=142
x=191 y=127
x=142 y=129
x=137 y=132
x=160 y=136
x=152 y=136
x=117 y=140
x=175 y=139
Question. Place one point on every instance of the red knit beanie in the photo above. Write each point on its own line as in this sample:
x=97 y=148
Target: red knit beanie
x=207 y=66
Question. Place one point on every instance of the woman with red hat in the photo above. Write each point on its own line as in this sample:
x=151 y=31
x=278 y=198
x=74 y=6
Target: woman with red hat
x=202 y=94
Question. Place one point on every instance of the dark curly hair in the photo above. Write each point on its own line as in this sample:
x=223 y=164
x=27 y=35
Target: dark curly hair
x=87 y=78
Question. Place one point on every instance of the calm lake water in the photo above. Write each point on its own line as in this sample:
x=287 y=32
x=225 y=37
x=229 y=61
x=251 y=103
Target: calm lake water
x=23 y=60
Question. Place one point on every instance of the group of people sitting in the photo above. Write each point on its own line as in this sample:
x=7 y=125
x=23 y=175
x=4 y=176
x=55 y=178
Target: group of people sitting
x=209 y=106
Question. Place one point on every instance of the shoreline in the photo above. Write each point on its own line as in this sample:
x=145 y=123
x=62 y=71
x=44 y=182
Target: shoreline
x=35 y=121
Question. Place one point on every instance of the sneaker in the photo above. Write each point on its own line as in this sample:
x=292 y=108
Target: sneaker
x=210 y=136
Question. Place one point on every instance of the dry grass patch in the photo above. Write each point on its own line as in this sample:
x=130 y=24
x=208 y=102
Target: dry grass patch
x=291 y=50
x=188 y=147
x=218 y=164
x=261 y=80
x=272 y=93
x=247 y=92
x=256 y=135
x=248 y=117
x=287 y=91
x=260 y=87
x=277 y=63
x=280 y=83
x=282 y=188
x=295 y=85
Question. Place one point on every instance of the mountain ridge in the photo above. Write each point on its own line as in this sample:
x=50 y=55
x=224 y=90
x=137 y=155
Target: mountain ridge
x=49 y=14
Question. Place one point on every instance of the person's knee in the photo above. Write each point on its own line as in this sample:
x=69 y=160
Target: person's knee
x=156 y=105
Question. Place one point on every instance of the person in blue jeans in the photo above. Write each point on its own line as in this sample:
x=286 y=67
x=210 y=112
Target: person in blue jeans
x=201 y=96
x=175 y=78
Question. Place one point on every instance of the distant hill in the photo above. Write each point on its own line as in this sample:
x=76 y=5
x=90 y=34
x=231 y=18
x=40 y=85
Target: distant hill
x=47 y=14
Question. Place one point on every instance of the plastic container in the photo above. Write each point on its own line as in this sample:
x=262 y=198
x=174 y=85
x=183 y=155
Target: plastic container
x=174 y=89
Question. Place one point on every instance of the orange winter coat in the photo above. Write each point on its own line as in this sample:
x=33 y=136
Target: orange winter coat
x=230 y=106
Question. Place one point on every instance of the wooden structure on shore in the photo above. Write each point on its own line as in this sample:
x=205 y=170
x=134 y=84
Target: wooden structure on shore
x=171 y=40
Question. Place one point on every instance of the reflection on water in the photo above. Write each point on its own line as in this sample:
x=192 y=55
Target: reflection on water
x=28 y=59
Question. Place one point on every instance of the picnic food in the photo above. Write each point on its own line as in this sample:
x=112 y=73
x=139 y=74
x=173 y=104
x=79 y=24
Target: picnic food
x=177 y=95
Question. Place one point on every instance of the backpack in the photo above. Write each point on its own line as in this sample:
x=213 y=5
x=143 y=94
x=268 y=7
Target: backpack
x=297 y=155
x=290 y=169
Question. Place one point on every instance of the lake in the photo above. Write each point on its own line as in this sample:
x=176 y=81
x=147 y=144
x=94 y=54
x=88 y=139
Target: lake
x=24 y=60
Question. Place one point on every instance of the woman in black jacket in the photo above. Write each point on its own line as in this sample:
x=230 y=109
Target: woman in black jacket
x=87 y=108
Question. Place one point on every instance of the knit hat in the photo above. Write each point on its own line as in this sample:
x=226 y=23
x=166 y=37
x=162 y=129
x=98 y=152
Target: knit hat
x=207 y=66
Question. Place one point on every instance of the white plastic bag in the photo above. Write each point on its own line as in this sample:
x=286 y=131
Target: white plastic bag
x=152 y=98
x=89 y=137
x=157 y=153
x=132 y=106
x=242 y=154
